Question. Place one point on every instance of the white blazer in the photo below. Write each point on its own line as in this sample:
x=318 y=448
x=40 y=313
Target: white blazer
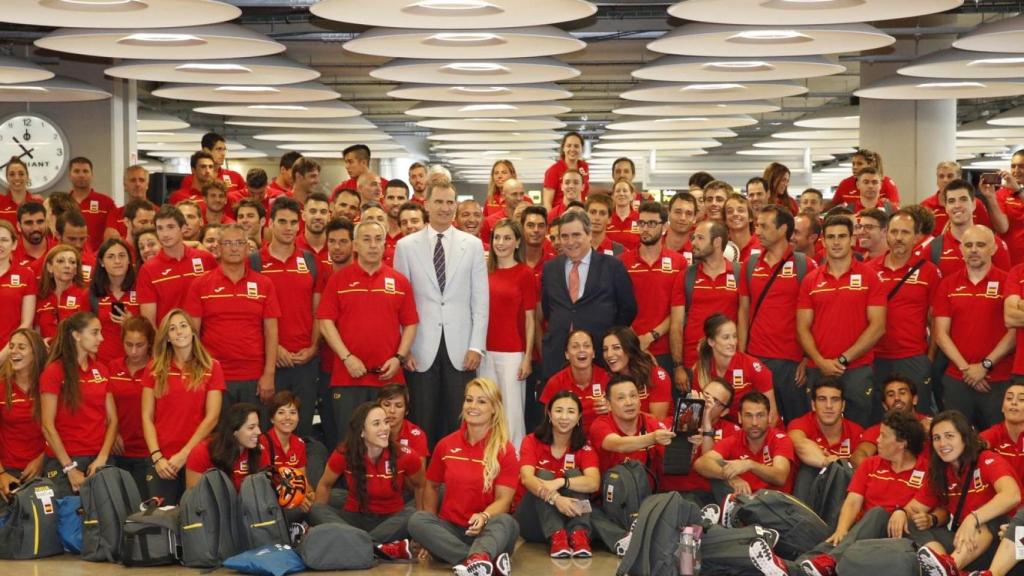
x=462 y=311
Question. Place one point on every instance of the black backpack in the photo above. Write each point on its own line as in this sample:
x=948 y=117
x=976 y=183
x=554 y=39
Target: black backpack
x=335 y=546
x=800 y=529
x=726 y=551
x=210 y=521
x=262 y=518
x=316 y=461
x=109 y=496
x=150 y=538
x=880 y=556
x=31 y=528
x=623 y=488
x=828 y=491
x=653 y=548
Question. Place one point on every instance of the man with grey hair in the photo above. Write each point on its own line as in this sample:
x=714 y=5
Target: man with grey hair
x=136 y=185
x=369 y=187
x=514 y=193
x=986 y=210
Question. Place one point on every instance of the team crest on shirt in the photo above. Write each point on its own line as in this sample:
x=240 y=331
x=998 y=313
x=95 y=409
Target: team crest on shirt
x=251 y=290
x=787 y=269
x=595 y=390
x=15 y=280
x=737 y=378
x=634 y=225
x=86 y=271
x=403 y=441
x=300 y=264
x=730 y=282
x=570 y=462
x=855 y=281
x=978 y=483
x=131 y=296
x=916 y=478
x=914 y=277
x=243 y=466
x=766 y=455
x=389 y=285
x=197 y=266
x=387 y=468
x=689 y=258
x=96 y=375
x=844 y=448
x=992 y=289
x=666 y=264
x=72 y=301
x=94 y=206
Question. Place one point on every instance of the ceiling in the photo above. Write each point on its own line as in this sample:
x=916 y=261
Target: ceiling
x=418 y=86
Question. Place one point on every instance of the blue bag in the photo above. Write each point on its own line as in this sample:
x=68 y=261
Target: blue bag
x=69 y=523
x=273 y=560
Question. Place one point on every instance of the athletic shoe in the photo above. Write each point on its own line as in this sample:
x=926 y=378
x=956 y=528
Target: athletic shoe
x=821 y=565
x=503 y=564
x=981 y=573
x=560 y=545
x=935 y=564
x=765 y=560
x=729 y=508
x=580 y=544
x=296 y=530
x=397 y=550
x=769 y=535
x=478 y=564
x=711 y=514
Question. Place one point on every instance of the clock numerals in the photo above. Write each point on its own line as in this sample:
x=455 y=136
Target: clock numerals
x=60 y=151
x=26 y=122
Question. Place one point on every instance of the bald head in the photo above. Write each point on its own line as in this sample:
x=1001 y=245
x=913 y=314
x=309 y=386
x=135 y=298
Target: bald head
x=368 y=186
x=978 y=245
x=514 y=192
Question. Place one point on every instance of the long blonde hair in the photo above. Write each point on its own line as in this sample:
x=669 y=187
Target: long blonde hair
x=492 y=187
x=498 y=439
x=48 y=284
x=163 y=356
x=705 y=355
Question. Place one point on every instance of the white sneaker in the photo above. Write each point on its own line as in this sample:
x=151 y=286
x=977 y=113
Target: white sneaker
x=503 y=564
x=711 y=514
x=765 y=560
x=729 y=509
x=623 y=544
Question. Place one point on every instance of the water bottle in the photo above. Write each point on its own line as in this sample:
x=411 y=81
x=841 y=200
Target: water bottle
x=689 y=552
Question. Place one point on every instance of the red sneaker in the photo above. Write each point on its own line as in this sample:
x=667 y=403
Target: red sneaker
x=822 y=565
x=765 y=560
x=580 y=544
x=478 y=564
x=397 y=550
x=935 y=564
x=560 y=545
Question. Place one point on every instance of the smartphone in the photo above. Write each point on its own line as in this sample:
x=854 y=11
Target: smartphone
x=991 y=178
x=688 y=416
x=117 y=308
x=584 y=506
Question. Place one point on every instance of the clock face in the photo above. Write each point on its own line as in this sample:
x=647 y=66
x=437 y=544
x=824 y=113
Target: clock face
x=39 y=143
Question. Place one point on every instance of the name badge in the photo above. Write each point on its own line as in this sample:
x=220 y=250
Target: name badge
x=855 y=281
x=96 y=374
x=71 y=301
x=916 y=478
x=766 y=455
x=389 y=285
x=570 y=462
x=197 y=266
x=15 y=280
x=595 y=391
x=978 y=483
x=403 y=441
x=666 y=264
x=300 y=264
x=251 y=290
x=730 y=281
x=992 y=289
x=131 y=296
x=634 y=226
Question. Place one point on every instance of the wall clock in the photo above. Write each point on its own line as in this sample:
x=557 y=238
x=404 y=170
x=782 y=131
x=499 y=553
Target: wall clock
x=39 y=143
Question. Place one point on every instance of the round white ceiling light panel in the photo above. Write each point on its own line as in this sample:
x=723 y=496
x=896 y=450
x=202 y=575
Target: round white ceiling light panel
x=697 y=39
x=460 y=14
x=979 y=148
x=355 y=138
x=756 y=12
x=1014 y=117
x=962 y=64
x=326 y=109
x=485 y=146
x=498 y=154
x=481 y=94
x=710 y=109
x=683 y=123
x=822 y=146
x=247 y=94
x=712 y=91
x=718 y=133
x=131 y=14
x=698 y=69
x=190 y=146
x=909 y=88
x=838 y=118
x=266 y=70
x=337 y=155
x=58 y=89
x=538 y=136
x=793 y=154
x=817 y=135
x=982 y=129
x=20 y=71
x=241 y=154
x=218 y=41
x=473 y=72
x=338 y=146
x=497 y=110
x=658 y=145
x=493 y=124
x=457 y=45
x=149 y=120
x=321 y=124
x=189 y=135
x=999 y=36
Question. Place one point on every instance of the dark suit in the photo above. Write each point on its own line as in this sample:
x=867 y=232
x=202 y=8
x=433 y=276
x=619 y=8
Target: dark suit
x=607 y=301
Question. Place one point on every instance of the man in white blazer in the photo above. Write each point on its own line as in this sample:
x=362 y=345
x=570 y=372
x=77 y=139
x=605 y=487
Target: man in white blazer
x=448 y=272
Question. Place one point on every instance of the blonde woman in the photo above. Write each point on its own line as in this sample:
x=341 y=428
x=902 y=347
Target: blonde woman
x=472 y=528
x=62 y=290
x=501 y=172
x=181 y=400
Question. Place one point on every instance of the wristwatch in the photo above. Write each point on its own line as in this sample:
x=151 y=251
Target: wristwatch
x=986 y=364
x=655 y=334
x=400 y=357
x=842 y=360
x=708 y=433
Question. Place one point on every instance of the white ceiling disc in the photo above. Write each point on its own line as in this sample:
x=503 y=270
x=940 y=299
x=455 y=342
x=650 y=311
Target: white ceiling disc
x=218 y=41
x=683 y=124
x=499 y=110
x=981 y=129
x=132 y=14
x=492 y=124
x=981 y=149
x=335 y=146
x=909 y=88
x=522 y=164
x=702 y=69
x=189 y=135
x=505 y=71
x=261 y=94
x=1000 y=36
x=336 y=154
x=461 y=14
x=266 y=70
x=20 y=71
x=794 y=154
x=149 y=120
x=241 y=154
x=710 y=109
x=327 y=109
x=821 y=146
x=1014 y=117
x=191 y=146
x=481 y=94
x=818 y=135
x=712 y=92
x=537 y=136
x=58 y=89
x=697 y=39
x=717 y=133
x=841 y=117
x=658 y=145
x=962 y=64
x=756 y=12
x=453 y=44
x=485 y=146
x=495 y=155
x=316 y=124
x=356 y=137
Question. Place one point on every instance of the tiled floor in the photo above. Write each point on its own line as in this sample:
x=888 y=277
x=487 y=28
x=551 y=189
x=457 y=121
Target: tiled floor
x=529 y=559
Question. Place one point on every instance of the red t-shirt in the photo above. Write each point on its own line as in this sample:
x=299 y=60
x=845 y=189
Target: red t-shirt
x=951 y=260
x=51 y=310
x=15 y=284
x=981 y=487
x=880 y=485
x=976 y=318
x=127 y=390
x=846 y=192
x=95 y=208
x=625 y=231
x=1011 y=449
x=81 y=430
x=654 y=284
x=9 y=208
x=199 y=461
x=710 y=295
x=414 y=438
x=686 y=250
x=773 y=333
x=533 y=452
x=605 y=425
x=294 y=284
x=21 y=438
x=746 y=374
x=553 y=179
x=1014 y=286
x=381 y=496
x=1013 y=207
x=938 y=210
x=459 y=465
x=777 y=443
x=21 y=257
x=293 y=457
x=111 y=348
x=563 y=380
x=369 y=311
x=848 y=438
x=165 y=281
x=513 y=294
x=232 y=314
x=751 y=247
x=658 y=389
x=840 y=308
x=179 y=411
x=236 y=186
x=906 y=318
x=694 y=482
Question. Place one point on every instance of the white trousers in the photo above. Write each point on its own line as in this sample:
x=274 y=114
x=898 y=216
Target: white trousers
x=502 y=368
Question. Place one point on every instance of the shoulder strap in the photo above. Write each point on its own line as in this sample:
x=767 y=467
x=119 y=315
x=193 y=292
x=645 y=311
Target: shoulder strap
x=801 y=266
x=767 y=287
x=94 y=302
x=903 y=280
x=751 y=266
x=936 y=249
x=963 y=496
x=310 y=263
x=689 y=281
x=255 y=261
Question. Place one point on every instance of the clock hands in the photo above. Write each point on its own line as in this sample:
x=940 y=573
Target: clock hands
x=23 y=154
x=22 y=146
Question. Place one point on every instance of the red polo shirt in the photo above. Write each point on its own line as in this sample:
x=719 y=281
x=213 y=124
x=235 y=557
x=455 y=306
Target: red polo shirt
x=275 y=191
x=1011 y=449
x=880 y=485
x=199 y=461
x=127 y=390
x=535 y=453
x=186 y=193
x=232 y=315
x=773 y=333
x=654 y=284
x=182 y=408
x=710 y=295
x=369 y=311
x=951 y=260
x=95 y=208
x=658 y=389
x=906 y=318
x=51 y=310
x=293 y=281
x=981 y=487
x=81 y=430
x=111 y=347
x=414 y=438
x=746 y=374
x=846 y=192
x=21 y=438
x=459 y=465
x=625 y=231
x=293 y=457
x=776 y=443
x=694 y=482
x=562 y=380
x=605 y=425
x=976 y=315
x=843 y=448
x=21 y=258
x=352 y=184
x=871 y=434
x=938 y=210
x=15 y=284
x=553 y=179
x=513 y=294
x=1013 y=207
x=323 y=258
x=165 y=281
x=840 y=308
x=752 y=246
x=1014 y=286
x=382 y=497
x=9 y=208
x=235 y=183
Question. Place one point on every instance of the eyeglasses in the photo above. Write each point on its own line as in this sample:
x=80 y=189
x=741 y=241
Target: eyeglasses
x=648 y=223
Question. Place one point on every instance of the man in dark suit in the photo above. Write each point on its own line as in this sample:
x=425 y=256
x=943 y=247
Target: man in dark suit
x=582 y=289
